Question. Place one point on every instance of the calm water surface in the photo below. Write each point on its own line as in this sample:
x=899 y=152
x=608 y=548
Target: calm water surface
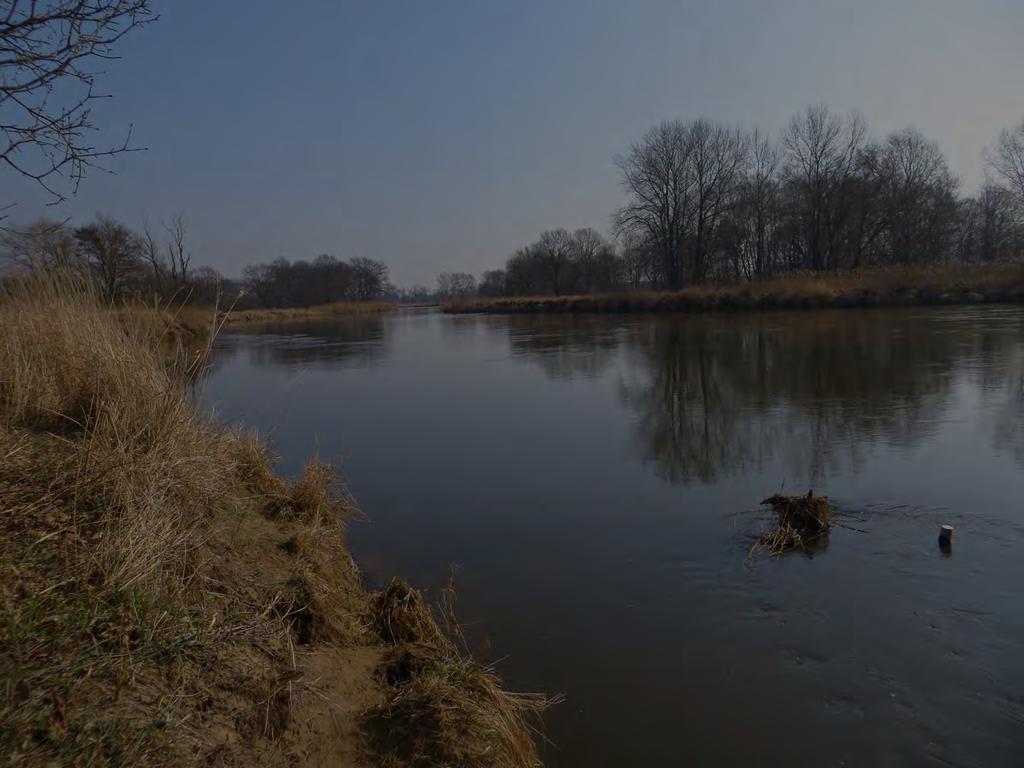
x=592 y=478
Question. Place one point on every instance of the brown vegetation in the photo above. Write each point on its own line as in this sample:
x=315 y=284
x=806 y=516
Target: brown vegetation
x=168 y=599
x=892 y=286
x=435 y=687
x=801 y=520
x=307 y=313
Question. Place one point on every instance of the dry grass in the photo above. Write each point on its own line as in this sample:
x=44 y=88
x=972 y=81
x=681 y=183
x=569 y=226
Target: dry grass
x=443 y=708
x=800 y=522
x=162 y=591
x=894 y=286
x=115 y=630
x=337 y=309
x=125 y=436
x=255 y=467
x=317 y=498
x=201 y=322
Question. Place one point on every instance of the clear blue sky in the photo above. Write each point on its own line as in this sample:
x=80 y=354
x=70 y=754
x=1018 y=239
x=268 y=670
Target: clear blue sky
x=442 y=135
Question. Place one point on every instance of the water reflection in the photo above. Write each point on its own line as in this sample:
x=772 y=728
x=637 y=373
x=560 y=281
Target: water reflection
x=1003 y=392
x=589 y=474
x=724 y=397
x=565 y=348
x=714 y=397
x=718 y=396
x=326 y=343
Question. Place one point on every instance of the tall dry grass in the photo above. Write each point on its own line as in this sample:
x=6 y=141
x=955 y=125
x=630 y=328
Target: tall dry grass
x=146 y=610
x=126 y=440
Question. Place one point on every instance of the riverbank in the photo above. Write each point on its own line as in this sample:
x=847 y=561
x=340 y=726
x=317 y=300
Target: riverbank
x=169 y=599
x=337 y=309
x=193 y=326
x=869 y=288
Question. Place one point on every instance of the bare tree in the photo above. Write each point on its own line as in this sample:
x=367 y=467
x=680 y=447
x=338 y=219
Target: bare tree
x=370 y=279
x=990 y=227
x=590 y=254
x=636 y=260
x=207 y=286
x=554 y=252
x=761 y=194
x=493 y=283
x=522 y=274
x=258 y=280
x=153 y=254
x=43 y=245
x=717 y=158
x=708 y=202
x=455 y=285
x=655 y=176
x=917 y=199
x=112 y=251
x=169 y=262
x=445 y=290
x=682 y=180
x=821 y=154
x=48 y=51
x=333 y=278
x=283 y=283
x=1006 y=161
x=178 y=256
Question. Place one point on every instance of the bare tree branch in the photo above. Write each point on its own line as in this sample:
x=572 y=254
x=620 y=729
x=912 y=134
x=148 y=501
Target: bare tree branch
x=1006 y=160
x=49 y=50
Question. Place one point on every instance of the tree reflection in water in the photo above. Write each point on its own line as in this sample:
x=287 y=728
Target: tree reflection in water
x=720 y=395
x=565 y=347
x=327 y=343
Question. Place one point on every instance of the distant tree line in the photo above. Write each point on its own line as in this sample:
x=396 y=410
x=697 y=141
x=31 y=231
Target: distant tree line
x=708 y=202
x=455 y=285
x=449 y=286
x=158 y=263
x=326 y=279
x=121 y=261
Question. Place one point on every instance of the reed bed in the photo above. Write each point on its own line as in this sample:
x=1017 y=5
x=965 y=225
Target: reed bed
x=337 y=309
x=895 y=286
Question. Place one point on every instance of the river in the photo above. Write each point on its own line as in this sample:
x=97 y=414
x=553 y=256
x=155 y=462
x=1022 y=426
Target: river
x=594 y=481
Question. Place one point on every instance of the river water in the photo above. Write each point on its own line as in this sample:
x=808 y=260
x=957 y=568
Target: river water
x=595 y=483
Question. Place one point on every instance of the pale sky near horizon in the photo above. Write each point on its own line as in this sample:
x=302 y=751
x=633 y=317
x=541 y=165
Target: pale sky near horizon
x=441 y=136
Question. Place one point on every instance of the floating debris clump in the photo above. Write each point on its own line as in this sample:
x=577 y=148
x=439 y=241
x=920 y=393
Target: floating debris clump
x=801 y=521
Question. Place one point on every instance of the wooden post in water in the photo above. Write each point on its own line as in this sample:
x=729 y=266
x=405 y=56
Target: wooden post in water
x=946 y=538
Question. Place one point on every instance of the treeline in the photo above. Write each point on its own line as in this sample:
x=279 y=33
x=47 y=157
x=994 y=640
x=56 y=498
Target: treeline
x=560 y=262
x=709 y=202
x=449 y=286
x=326 y=279
x=158 y=262
x=121 y=261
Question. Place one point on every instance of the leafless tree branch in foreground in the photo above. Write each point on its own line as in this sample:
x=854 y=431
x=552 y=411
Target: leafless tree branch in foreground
x=49 y=54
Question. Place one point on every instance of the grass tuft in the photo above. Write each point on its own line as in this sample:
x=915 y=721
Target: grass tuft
x=443 y=708
x=316 y=496
x=401 y=615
